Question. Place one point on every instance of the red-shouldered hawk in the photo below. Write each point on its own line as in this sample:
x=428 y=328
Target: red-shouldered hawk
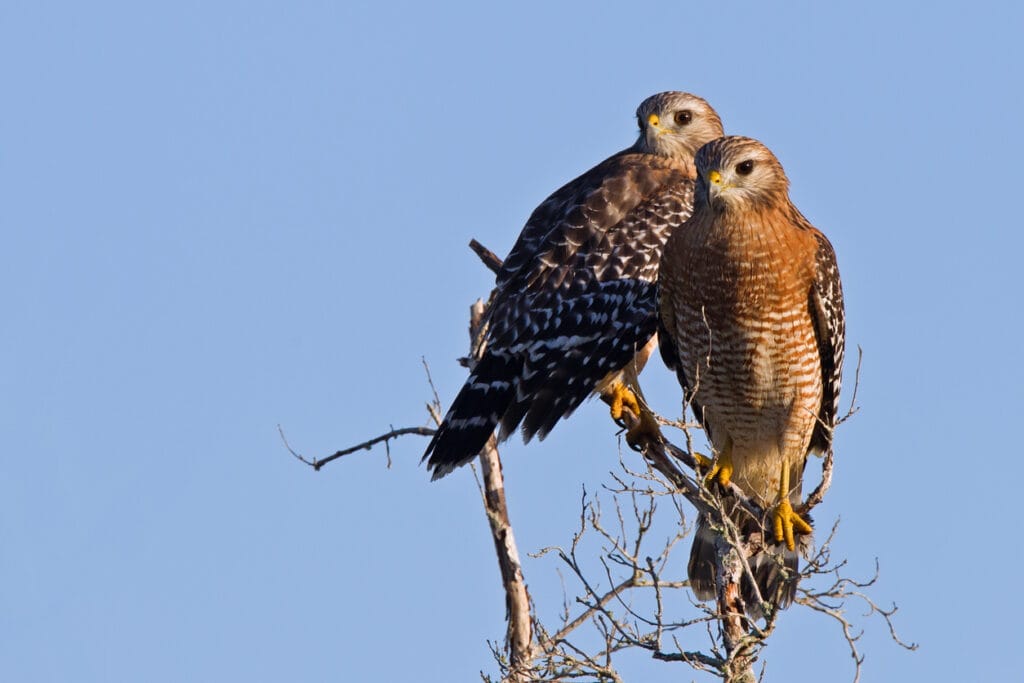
x=752 y=321
x=574 y=308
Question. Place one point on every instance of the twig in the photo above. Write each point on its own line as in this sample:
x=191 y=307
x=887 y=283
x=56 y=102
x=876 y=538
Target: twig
x=818 y=494
x=490 y=259
x=656 y=452
x=434 y=407
x=690 y=657
x=316 y=464
x=591 y=611
x=856 y=385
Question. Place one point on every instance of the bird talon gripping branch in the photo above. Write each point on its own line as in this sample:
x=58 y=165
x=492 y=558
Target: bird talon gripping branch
x=621 y=397
x=720 y=469
x=646 y=431
x=786 y=523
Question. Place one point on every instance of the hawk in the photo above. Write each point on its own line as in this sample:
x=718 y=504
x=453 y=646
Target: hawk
x=752 y=322
x=574 y=310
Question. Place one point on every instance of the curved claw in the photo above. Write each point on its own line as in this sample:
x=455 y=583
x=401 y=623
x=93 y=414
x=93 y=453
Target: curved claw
x=646 y=430
x=786 y=522
x=643 y=432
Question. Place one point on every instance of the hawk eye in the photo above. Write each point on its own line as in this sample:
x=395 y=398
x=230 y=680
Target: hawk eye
x=683 y=117
x=745 y=167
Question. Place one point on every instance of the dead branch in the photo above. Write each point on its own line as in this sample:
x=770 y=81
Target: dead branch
x=734 y=624
x=833 y=598
x=316 y=464
x=519 y=636
x=612 y=614
x=489 y=258
x=854 y=408
x=818 y=494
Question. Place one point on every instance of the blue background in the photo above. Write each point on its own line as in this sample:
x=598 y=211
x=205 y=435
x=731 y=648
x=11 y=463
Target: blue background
x=221 y=217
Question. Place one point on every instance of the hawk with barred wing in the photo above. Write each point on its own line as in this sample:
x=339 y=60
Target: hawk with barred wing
x=574 y=309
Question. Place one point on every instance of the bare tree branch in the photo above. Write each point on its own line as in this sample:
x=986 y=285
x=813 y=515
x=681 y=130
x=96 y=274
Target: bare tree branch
x=489 y=258
x=316 y=464
x=832 y=599
x=519 y=636
x=854 y=408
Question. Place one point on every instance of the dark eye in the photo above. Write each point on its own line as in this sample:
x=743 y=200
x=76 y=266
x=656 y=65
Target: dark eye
x=683 y=117
x=745 y=167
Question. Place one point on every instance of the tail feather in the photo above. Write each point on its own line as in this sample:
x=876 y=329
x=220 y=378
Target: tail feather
x=512 y=417
x=474 y=414
x=558 y=397
x=539 y=381
x=773 y=565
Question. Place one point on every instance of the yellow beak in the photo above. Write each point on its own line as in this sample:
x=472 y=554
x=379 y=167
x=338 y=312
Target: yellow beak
x=716 y=184
x=654 y=121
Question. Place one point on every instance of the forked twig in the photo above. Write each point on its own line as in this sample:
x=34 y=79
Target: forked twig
x=316 y=463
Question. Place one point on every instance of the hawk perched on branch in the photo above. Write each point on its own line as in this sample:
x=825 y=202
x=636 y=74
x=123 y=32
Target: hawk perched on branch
x=752 y=322
x=574 y=308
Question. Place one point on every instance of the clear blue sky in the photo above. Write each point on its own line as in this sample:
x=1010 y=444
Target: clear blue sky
x=218 y=217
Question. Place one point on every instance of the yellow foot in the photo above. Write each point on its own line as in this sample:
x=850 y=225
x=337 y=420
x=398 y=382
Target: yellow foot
x=784 y=518
x=786 y=521
x=719 y=469
x=646 y=430
x=621 y=397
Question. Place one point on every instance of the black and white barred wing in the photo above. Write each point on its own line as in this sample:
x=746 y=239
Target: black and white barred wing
x=571 y=206
x=829 y=317
x=572 y=311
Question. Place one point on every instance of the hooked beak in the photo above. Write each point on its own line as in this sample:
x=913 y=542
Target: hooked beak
x=654 y=121
x=716 y=185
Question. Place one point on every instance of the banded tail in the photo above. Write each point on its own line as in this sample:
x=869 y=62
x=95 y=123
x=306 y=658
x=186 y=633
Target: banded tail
x=473 y=416
x=773 y=565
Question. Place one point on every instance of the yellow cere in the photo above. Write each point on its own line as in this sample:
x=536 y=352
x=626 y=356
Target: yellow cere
x=653 y=120
x=715 y=177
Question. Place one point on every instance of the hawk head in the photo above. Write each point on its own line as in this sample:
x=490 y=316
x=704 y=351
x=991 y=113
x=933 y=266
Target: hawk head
x=676 y=124
x=736 y=172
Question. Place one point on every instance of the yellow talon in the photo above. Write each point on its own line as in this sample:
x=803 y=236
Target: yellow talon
x=646 y=430
x=621 y=397
x=785 y=520
x=720 y=468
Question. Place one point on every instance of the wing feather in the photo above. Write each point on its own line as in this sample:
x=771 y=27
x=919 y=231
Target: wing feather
x=829 y=318
x=575 y=298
